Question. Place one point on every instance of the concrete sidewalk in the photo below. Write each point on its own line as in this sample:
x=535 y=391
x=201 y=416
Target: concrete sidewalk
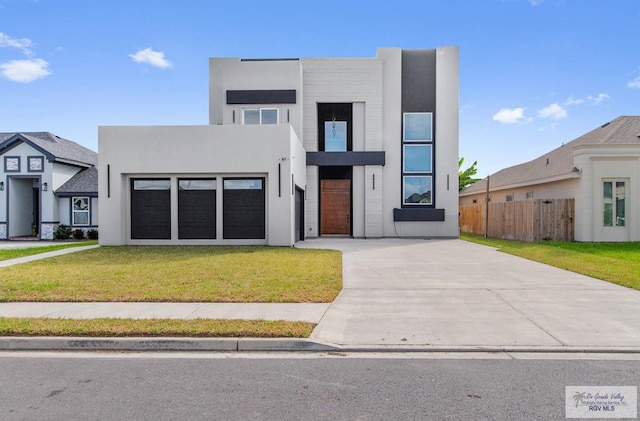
x=303 y=312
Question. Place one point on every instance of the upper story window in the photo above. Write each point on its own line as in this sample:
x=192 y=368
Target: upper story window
x=260 y=116
x=335 y=136
x=335 y=127
x=417 y=159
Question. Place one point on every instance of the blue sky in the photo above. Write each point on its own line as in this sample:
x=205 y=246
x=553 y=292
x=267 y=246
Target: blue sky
x=533 y=73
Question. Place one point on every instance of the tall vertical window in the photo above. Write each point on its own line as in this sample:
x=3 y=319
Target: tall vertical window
x=80 y=213
x=417 y=159
x=614 y=200
x=260 y=116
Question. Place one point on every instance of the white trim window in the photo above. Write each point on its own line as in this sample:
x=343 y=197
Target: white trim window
x=260 y=116
x=614 y=201
x=80 y=211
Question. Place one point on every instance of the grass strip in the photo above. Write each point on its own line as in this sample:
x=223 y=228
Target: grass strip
x=201 y=328
x=14 y=253
x=179 y=274
x=618 y=263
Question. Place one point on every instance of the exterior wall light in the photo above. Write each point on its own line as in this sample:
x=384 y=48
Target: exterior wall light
x=45 y=187
x=1 y=185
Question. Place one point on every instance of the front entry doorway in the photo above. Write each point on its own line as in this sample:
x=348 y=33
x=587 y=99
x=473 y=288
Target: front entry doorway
x=335 y=201
x=24 y=207
x=336 y=206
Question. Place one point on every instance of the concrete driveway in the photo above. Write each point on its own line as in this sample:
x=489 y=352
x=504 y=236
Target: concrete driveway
x=456 y=294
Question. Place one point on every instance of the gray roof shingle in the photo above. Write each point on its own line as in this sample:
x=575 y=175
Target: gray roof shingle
x=55 y=147
x=559 y=162
x=85 y=182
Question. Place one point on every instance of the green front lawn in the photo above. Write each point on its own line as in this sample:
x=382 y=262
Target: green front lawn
x=6 y=254
x=618 y=263
x=179 y=274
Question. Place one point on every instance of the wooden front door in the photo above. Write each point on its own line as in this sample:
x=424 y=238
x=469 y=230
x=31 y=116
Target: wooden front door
x=335 y=197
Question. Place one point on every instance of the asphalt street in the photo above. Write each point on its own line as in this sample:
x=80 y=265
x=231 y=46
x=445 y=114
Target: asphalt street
x=110 y=386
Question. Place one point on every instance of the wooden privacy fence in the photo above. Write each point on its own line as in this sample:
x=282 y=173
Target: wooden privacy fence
x=528 y=220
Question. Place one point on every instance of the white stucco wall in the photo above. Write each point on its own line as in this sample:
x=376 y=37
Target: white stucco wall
x=346 y=80
x=198 y=151
x=234 y=74
x=601 y=163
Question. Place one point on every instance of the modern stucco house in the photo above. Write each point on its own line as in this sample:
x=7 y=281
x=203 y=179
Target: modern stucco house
x=600 y=170
x=45 y=181
x=295 y=148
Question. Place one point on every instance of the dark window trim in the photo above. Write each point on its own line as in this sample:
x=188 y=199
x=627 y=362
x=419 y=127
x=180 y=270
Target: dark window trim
x=431 y=173
x=39 y=158
x=342 y=111
x=6 y=158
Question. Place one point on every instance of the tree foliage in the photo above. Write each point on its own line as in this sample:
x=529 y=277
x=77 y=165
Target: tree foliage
x=466 y=177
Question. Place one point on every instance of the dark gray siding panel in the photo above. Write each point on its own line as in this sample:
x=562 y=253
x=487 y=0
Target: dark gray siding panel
x=345 y=159
x=196 y=214
x=418 y=81
x=424 y=214
x=272 y=96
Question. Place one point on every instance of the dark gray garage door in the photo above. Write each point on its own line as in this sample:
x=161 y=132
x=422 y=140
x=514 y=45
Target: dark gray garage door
x=243 y=207
x=197 y=208
x=151 y=209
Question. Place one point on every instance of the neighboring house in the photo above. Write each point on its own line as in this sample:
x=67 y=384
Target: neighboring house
x=45 y=181
x=600 y=170
x=295 y=148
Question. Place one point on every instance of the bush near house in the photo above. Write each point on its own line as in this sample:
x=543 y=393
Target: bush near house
x=92 y=234
x=62 y=232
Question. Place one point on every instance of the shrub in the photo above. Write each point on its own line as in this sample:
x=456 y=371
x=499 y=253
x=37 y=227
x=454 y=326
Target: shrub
x=92 y=234
x=62 y=232
x=78 y=234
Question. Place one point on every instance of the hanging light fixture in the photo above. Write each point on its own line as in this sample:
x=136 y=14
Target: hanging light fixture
x=333 y=124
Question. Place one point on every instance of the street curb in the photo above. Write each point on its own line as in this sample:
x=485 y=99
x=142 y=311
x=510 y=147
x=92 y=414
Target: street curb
x=162 y=344
x=159 y=344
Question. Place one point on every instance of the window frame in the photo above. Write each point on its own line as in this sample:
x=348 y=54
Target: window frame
x=615 y=202
x=13 y=159
x=428 y=138
x=75 y=211
x=427 y=142
x=260 y=116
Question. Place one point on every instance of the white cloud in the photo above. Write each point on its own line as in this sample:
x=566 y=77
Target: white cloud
x=635 y=83
x=25 y=71
x=572 y=101
x=553 y=111
x=22 y=44
x=511 y=116
x=536 y=2
x=153 y=58
x=589 y=99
